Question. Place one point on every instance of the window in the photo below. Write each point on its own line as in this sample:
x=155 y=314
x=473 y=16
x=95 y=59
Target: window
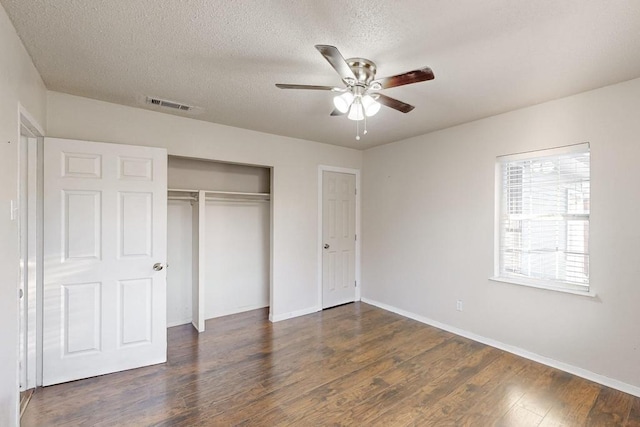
x=543 y=221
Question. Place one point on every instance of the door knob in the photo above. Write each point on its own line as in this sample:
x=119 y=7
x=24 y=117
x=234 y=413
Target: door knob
x=158 y=266
x=326 y=246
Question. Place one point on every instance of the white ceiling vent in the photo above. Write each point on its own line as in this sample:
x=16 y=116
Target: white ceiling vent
x=169 y=104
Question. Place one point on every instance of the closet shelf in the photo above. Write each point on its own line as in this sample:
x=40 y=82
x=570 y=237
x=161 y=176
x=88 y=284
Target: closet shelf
x=175 y=194
x=182 y=198
x=181 y=190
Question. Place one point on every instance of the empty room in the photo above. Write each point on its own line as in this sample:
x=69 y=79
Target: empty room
x=308 y=213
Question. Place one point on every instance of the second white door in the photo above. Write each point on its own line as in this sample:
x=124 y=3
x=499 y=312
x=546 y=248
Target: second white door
x=339 y=238
x=105 y=224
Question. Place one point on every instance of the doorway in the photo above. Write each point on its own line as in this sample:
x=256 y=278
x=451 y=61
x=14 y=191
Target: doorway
x=219 y=239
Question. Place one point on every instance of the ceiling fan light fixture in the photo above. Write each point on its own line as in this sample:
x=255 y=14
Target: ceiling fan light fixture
x=356 y=112
x=371 y=107
x=343 y=102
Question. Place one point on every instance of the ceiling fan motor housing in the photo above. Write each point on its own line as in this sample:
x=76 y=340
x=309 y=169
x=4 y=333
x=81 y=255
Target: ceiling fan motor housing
x=364 y=70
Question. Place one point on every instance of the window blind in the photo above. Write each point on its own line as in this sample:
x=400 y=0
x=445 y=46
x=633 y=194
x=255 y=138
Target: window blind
x=544 y=217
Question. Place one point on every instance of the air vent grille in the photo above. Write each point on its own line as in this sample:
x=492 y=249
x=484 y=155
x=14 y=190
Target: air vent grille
x=169 y=104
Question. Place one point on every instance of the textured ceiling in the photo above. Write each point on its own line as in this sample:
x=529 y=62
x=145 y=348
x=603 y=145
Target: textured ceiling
x=488 y=56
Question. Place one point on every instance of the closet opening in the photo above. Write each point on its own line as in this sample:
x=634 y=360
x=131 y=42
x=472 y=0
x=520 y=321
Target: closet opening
x=218 y=239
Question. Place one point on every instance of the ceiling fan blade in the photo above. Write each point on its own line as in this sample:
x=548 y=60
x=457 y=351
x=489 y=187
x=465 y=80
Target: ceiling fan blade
x=310 y=87
x=394 y=103
x=407 y=78
x=335 y=58
x=337 y=112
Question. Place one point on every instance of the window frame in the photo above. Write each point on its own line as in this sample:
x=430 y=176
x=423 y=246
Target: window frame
x=554 y=285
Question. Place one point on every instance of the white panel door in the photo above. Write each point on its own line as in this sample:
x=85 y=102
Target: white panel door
x=338 y=231
x=105 y=218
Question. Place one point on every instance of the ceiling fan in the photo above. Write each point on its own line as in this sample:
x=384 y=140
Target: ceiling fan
x=360 y=98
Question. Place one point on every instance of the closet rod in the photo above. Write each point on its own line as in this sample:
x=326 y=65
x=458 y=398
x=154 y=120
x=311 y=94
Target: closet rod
x=236 y=193
x=181 y=198
x=226 y=193
x=237 y=199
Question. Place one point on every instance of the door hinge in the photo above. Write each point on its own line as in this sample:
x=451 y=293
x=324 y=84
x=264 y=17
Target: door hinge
x=355 y=237
x=355 y=284
x=356 y=192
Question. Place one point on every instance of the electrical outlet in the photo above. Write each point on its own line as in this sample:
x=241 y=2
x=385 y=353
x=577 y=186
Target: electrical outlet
x=459 y=305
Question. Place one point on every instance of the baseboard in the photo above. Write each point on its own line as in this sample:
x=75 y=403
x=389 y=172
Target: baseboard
x=237 y=310
x=196 y=327
x=25 y=398
x=178 y=323
x=580 y=372
x=290 y=315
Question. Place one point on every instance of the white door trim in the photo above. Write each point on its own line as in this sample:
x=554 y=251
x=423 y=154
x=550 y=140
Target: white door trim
x=29 y=127
x=29 y=122
x=356 y=172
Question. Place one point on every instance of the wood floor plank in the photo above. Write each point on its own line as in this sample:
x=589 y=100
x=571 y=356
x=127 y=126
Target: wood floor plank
x=611 y=408
x=464 y=397
x=573 y=403
x=633 y=419
x=351 y=365
x=539 y=394
x=489 y=408
x=325 y=369
x=405 y=407
x=520 y=417
x=332 y=399
x=287 y=369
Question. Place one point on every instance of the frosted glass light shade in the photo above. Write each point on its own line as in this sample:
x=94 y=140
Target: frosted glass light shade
x=371 y=107
x=343 y=102
x=356 y=112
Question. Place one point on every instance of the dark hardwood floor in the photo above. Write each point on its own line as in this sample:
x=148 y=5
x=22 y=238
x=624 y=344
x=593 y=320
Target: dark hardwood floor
x=351 y=365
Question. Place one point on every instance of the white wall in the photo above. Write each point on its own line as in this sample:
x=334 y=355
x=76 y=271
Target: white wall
x=190 y=174
x=19 y=83
x=294 y=181
x=428 y=232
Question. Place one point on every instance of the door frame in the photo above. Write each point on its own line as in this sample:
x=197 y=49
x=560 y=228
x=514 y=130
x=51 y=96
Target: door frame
x=350 y=171
x=30 y=128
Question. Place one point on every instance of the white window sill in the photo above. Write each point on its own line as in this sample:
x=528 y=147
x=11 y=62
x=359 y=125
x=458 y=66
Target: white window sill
x=515 y=281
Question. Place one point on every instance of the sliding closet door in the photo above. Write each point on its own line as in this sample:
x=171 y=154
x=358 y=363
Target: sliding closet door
x=237 y=253
x=199 y=262
x=179 y=256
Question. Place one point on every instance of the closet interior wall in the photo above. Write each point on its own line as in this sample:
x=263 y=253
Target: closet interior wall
x=236 y=232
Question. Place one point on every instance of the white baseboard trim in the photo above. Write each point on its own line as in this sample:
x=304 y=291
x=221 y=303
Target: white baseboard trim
x=178 y=323
x=284 y=316
x=196 y=327
x=236 y=310
x=580 y=372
